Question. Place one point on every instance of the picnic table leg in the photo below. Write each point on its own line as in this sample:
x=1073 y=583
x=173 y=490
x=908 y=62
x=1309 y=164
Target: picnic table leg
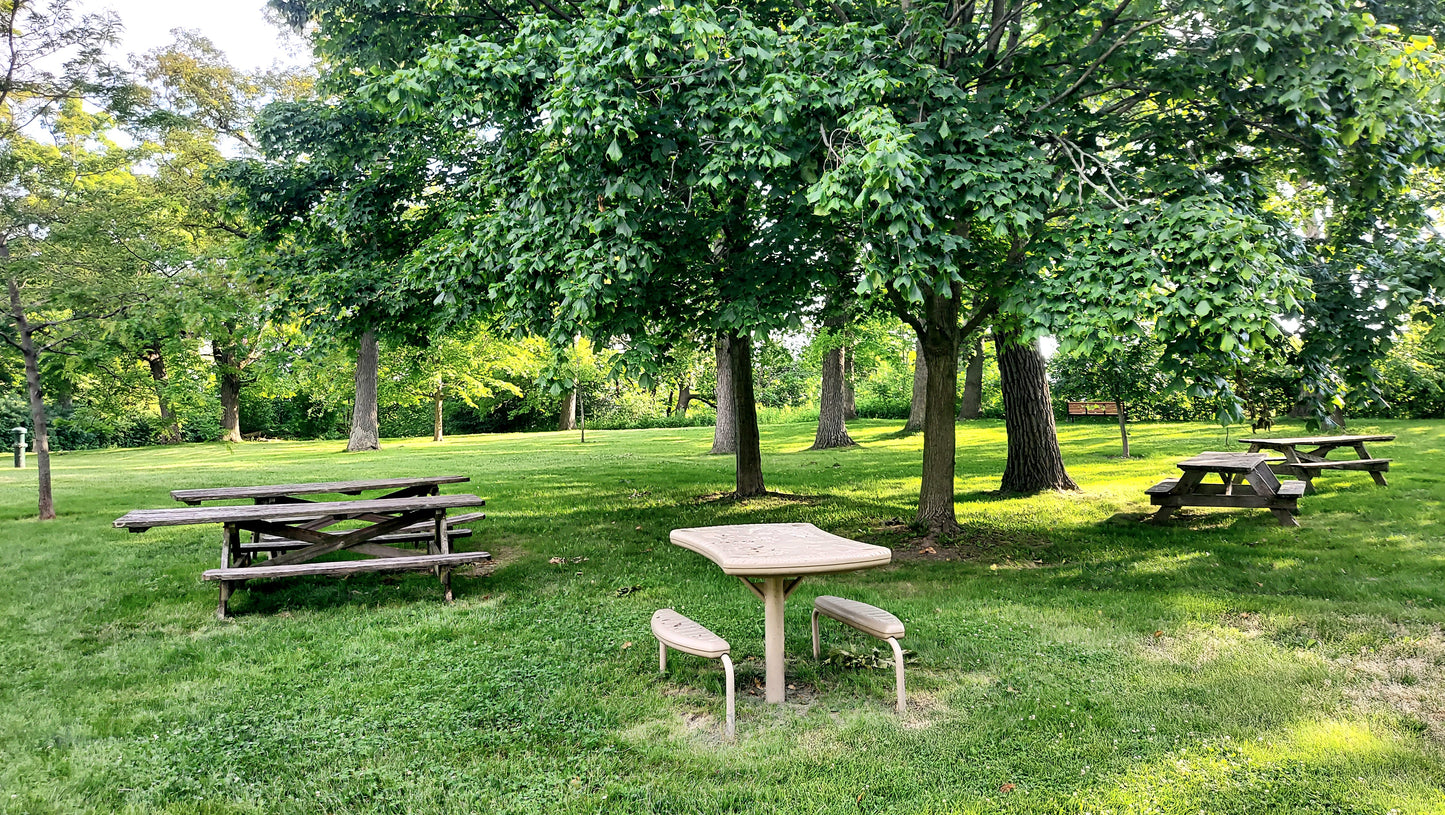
x=1291 y=460
x=222 y=609
x=1375 y=474
x=446 y=578
x=773 y=599
x=1286 y=518
x=230 y=544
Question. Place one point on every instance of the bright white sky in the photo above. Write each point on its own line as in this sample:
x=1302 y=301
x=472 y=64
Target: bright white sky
x=237 y=27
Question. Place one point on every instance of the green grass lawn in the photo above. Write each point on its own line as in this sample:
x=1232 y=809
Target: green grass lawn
x=1069 y=659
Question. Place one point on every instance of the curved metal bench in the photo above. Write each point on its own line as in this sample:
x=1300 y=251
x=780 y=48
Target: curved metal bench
x=870 y=620
x=681 y=634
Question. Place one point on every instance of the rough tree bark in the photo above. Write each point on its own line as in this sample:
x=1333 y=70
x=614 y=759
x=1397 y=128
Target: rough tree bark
x=436 y=425
x=31 y=354
x=972 y=404
x=832 y=427
x=567 y=420
x=1034 y=461
x=917 y=409
x=365 y=430
x=938 y=357
x=170 y=430
x=745 y=409
x=228 y=377
x=684 y=397
x=725 y=431
x=850 y=400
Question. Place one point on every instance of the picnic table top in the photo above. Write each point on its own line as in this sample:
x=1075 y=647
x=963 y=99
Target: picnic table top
x=142 y=519
x=772 y=550
x=1221 y=462
x=194 y=496
x=1297 y=441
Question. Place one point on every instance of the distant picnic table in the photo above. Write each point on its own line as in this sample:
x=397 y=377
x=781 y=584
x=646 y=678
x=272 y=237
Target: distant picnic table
x=294 y=535
x=1305 y=465
x=1247 y=482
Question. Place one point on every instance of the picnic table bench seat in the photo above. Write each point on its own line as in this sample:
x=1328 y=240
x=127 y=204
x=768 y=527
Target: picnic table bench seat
x=872 y=621
x=1370 y=464
x=442 y=564
x=679 y=633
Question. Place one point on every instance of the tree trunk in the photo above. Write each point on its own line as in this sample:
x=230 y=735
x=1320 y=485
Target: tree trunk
x=31 y=354
x=972 y=406
x=832 y=427
x=1123 y=424
x=938 y=358
x=745 y=409
x=917 y=409
x=725 y=431
x=684 y=397
x=850 y=402
x=228 y=376
x=436 y=424
x=567 y=420
x=365 y=432
x=1034 y=460
x=170 y=430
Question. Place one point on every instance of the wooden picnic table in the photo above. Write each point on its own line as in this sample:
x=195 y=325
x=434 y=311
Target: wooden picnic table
x=781 y=555
x=1246 y=482
x=1305 y=465
x=290 y=493
x=298 y=536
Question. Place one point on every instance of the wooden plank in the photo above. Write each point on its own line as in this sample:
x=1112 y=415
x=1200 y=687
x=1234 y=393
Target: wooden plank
x=1226 y=501
x=290 y=513
x=1163 y=487
x=1262 y=480
x=1379 y=464
x=1221 y=462
x=414 y=563
x=268 y=543
x=195 y=496
x=1334 y=441
x=343 y=541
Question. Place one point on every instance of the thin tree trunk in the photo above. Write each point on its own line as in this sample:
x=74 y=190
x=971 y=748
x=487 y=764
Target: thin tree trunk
x=725 y=431
x=170 y=430
x=972 y=405
x=917 y=409
x=850 y=402
x=436 y=425
x=745 y=408
x=567 y=420
x=1035 y=462
x=1123 y=424
x=832 y=427
x=684 y=397
x=938 y=357
x=31 y=354
x=365 y=430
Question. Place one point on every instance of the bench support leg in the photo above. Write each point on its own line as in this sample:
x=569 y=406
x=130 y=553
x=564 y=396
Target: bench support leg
x=222 y=609
x=662 y=657
x=898 y=673
x=728 y=673
x=1286 y=518
x=815 y=634
x=446 y=578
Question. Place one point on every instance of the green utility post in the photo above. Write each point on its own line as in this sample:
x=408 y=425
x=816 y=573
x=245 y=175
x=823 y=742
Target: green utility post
x=19 y=447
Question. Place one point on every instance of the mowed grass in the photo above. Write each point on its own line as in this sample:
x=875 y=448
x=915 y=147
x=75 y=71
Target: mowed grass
x=1068 y=658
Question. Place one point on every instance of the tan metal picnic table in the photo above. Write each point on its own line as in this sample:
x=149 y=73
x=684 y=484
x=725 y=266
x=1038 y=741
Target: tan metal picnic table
x=780 y=555
x=1305 y=465
x=1246 y=481
x=297 y=528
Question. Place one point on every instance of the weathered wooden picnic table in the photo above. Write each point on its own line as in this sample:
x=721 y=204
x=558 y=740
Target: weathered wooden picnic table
x=406 y=487
x=1305 y=465
x=779 y=554
x=299 y=528
x=1247 y=482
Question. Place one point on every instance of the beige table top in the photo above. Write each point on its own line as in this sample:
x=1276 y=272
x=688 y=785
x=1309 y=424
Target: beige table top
x=777 y=550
